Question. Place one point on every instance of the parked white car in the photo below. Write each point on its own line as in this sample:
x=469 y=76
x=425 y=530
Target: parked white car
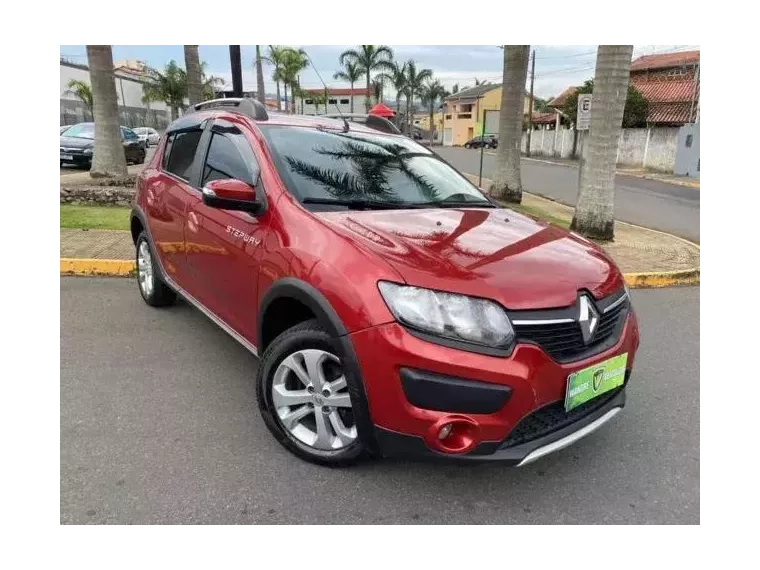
x=147 y=134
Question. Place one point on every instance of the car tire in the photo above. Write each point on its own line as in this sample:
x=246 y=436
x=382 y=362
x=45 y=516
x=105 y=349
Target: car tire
x=335 y=426
x=467 y=145
x=154 y=291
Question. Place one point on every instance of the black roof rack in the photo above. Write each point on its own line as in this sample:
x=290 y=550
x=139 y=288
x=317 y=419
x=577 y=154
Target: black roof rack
x=372 y=121
x=251 y=108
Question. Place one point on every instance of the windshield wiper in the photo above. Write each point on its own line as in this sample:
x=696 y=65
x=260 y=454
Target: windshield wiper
x=461 y=204
x=361 y=204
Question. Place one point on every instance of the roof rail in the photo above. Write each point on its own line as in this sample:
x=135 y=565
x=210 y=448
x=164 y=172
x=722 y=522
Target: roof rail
x=251 y=108
x=371 y=121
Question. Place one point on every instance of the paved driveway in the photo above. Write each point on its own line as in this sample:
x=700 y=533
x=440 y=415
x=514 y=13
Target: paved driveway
x=159 y=424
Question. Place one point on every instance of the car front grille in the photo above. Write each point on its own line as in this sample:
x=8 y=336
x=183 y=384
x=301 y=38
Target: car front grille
x=558 y=332
x=553 y=417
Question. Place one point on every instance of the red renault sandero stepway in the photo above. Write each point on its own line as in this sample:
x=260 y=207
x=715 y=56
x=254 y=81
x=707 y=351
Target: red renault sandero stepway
x=396 y=309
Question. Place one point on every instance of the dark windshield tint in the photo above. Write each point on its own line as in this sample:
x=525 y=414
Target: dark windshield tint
x=81 y=131
x=359 y=166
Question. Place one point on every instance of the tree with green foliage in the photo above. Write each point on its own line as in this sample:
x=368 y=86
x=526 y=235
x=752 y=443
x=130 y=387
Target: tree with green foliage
x=415 y=81
x=636 y=106
x=81 y=89
x=169 y=87
x=396 y=77
x=350 y=73
x=277 y=59
x=294 y=62
x=370 y=59
x=432 y=93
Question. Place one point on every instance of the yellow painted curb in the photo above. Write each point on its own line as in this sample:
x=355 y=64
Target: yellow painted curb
x=662 y=279
x=115 y=267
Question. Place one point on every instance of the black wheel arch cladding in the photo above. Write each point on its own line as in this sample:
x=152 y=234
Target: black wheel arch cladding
x=314 y=300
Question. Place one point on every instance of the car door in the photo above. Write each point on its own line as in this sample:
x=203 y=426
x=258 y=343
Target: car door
x=170 y=190
x=224 y=247
x=132 y=148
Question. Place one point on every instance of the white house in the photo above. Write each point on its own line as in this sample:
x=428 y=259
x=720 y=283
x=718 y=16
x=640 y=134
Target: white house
x=133 y=111
x=313 y=101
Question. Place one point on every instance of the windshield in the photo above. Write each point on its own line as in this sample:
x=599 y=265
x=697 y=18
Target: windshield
x=320 y=166
x=81 y=131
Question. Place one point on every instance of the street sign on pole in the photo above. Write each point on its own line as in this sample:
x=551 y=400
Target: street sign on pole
x=584 y=112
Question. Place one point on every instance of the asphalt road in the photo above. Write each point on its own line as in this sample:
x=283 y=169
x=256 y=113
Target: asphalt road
x=666 y=207
x=159 y=424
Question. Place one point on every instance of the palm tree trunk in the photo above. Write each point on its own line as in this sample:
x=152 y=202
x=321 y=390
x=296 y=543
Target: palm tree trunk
x=594 y=214
x=194 y=79
x=352 y=97
x=279 y=104
x=367 y=100
x=260 y=78
x=507 y=184
x=285 y=86
x=408 y=106
x=109 y=159
x=430 y=125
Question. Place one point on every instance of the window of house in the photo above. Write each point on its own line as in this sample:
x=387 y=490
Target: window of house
x=180 y=153
x=229 y=156
x=448 y=117
x=309 y=101
x=344 y=101
x=333 y=101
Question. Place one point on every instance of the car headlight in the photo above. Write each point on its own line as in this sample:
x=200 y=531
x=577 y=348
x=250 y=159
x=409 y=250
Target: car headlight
x=449 y=315
x=87 y=151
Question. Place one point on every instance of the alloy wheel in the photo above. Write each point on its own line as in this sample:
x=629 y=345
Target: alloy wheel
x=310 y=396
x=145 y=269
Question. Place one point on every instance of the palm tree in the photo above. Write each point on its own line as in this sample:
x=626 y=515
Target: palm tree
x=277 y=58
x=83 y=92
x=455 y=88
x=369 y=58
x=396 y=76
x=260 y=78
x=479 y=82
x=169 y=87
x=109 y=159
x=351 y=73
x=318 y=99
x=294 y=61
x=432 y=92
x=506 y=184
x=594 y=213
x=194 y=80
x=415 y=80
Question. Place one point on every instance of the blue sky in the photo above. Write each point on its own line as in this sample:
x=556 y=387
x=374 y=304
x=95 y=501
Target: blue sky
x=556 y=66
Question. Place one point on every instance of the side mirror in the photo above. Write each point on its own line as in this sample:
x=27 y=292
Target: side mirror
x=231 y=194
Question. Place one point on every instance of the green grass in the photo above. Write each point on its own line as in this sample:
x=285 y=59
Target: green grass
x=94 y=217
x=540 y=214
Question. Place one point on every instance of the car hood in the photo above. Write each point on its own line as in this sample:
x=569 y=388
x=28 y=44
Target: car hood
x=74 y=142
x=493 y=253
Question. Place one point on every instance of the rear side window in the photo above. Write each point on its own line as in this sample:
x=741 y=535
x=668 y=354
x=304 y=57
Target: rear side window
x=180 y=152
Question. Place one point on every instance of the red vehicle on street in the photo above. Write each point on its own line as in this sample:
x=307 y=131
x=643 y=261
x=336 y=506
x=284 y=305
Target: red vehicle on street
x=396 y=309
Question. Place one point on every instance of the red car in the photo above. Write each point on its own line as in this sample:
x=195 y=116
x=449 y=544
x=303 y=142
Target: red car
x=396 y=309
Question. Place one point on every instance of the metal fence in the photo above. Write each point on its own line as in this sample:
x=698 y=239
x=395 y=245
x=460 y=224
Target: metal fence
x=73 y=112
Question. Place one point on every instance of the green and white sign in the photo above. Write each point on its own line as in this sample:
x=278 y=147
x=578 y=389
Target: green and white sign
x=594 y=381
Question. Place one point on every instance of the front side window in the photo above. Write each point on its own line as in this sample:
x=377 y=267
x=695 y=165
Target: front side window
x=324 y=165
x=229 y=156
x=128 y=134
x=180 y=153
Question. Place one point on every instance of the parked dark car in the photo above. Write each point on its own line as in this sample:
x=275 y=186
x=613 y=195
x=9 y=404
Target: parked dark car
x=489 y=141
x=78 y=141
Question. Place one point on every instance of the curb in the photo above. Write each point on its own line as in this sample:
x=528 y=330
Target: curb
x=126 y=268
x=107 y=267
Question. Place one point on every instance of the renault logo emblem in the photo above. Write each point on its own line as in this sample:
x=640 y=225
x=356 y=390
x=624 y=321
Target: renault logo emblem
x=588 y=318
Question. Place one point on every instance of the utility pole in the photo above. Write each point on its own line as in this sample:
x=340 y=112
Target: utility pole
x=530 y=110
x=694 y=94
x=237 y=71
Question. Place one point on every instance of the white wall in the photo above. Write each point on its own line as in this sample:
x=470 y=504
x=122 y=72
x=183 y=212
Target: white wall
x=359 y=102
x=633 y=150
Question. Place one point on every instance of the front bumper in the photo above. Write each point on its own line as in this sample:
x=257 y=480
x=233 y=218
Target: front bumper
x=534 y=384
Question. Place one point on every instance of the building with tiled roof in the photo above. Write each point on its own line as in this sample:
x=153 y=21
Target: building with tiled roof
x=669 y=82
